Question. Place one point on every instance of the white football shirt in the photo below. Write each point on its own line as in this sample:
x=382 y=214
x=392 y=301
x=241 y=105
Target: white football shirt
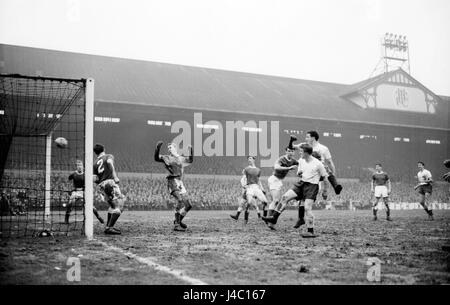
x=423 y=176
x=311 y=171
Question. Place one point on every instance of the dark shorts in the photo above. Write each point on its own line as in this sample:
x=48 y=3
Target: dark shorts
x=306 y=190
x=427 y=188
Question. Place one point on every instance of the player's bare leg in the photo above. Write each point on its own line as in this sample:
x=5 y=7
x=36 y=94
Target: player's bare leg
x=116 y=202
x=276 y=197
x=272 y=220
x=309 y=217
x=388 y=210
x=424 y=198
x=241 y=207
x=375 y=208
x=68 y=211
x=114 y=212
x=182 y=208
x=100 y=219
x=253 y=202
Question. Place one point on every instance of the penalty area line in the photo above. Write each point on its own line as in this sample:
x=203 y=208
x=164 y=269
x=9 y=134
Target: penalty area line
x=179 y=274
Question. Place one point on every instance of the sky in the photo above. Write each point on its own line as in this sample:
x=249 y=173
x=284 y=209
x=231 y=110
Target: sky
x=325 y=40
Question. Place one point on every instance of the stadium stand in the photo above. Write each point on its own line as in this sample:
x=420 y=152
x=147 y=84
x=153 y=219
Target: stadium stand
x=137 y=103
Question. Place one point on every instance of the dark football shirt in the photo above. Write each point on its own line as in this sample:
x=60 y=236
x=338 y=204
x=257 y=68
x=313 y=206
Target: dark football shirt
x=284 y=162
x=380 y=178
x=102 y=169
x=252 y=174
x=175 y=165
x=78 y=180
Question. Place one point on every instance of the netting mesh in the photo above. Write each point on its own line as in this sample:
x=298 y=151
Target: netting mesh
x=34 y=184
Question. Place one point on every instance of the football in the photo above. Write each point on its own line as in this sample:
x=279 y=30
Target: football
x=61 y=142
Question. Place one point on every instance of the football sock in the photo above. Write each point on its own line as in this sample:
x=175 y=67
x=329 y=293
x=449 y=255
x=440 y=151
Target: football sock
x=264 y=213
x=238 y=213
x=96 y=213
x=246 y=215
x=109 y=220
x=113 y=220
x=276 y=214
x=301 y=212
x=177 y=218
x=333 y=181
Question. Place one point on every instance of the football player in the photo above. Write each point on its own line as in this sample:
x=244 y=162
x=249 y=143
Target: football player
x=280 y=170
x=254 y=190
x=424 y=188
x=380 y=186
x=243 y=204
x=310 y=170
x=175 y=164
x=312 y=138
x=77 y=178
x=105 y=176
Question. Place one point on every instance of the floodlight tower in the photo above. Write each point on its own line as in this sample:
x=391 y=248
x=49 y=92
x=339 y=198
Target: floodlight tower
x=394 y=54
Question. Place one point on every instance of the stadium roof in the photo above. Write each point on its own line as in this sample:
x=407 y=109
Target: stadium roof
x=152 y=83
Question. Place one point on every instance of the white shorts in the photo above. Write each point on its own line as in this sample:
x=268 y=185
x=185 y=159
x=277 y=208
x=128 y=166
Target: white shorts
x=381 y=191
x=275 y=184
x=254 y=190
x=181 y=186
x=76 y=195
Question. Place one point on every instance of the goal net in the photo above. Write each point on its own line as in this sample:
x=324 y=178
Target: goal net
x=35 y=190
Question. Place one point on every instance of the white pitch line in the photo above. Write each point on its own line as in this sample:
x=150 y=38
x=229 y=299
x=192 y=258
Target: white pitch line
x=179 y=274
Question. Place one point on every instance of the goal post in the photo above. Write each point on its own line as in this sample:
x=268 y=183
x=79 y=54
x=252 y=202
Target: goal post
x=36 y=193
x=88 y=161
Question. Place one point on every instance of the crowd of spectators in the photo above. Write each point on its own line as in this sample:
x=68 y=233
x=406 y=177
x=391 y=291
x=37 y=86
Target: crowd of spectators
x=215 y=192
x=149 y=192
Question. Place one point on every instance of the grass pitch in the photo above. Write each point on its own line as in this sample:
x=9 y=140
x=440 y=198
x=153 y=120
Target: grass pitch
x=218 y=250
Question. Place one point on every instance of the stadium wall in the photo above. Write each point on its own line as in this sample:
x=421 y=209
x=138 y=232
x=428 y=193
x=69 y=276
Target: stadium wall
x=355 y=147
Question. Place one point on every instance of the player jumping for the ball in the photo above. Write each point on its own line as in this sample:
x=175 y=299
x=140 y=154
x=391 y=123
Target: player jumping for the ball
x=310 y=170
x=77 y=178
x=106 y=177
x=175 y=164
x=280 y=170
x=380 y=186
x=424 y=188
x=312 y=138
